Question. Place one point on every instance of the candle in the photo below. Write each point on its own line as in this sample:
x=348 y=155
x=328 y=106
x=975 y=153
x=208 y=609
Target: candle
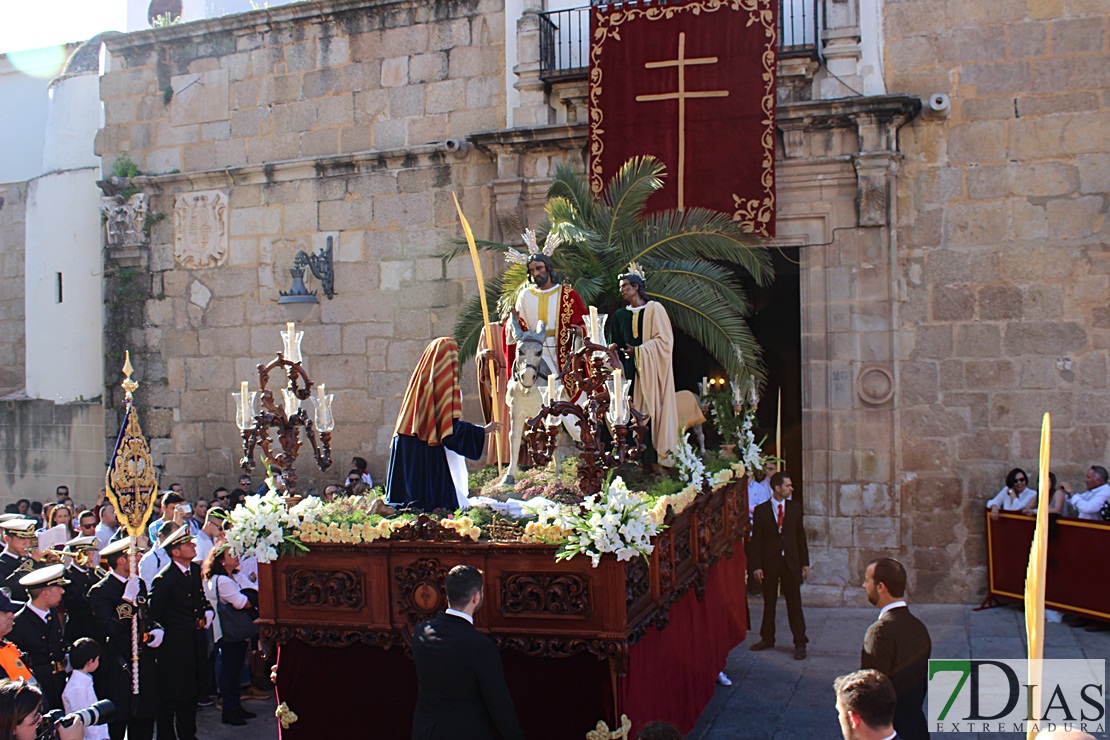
x=618 y=393
x=593 y=325
x=320 y=391
x=291 y=338
x=245 y=399
x=704 y=385
x=551 y=389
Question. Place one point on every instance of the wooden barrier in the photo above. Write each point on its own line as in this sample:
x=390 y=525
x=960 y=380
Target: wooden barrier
x=1078 y=558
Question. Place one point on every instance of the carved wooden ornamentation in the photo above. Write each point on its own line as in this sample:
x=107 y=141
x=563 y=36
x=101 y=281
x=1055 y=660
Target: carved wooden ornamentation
x=340 y=589
x=637 y=579
x=330 y=636
x=419 y=589
x=665 y=548
x=545 y=594
x=200 y=229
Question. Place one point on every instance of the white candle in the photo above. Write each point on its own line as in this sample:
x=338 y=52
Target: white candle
x=593 y=325
x=320 y=391
x=551 y=389
x=618 y=393
x=290 y=327
x=245 y=401
x=704 y=385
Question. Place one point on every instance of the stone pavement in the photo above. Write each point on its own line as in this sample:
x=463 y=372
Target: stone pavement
x=776 y=697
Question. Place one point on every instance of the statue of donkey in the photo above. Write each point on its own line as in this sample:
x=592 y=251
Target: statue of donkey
x=522 y=392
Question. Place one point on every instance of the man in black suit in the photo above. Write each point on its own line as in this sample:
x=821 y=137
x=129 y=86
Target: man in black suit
x=178 y=604
x=780 y=556
x=38 y=631
x=16 y=560
x=865 y=705
x=462 y=693
x=898 y=645
x=116 y=600
x=79 y=616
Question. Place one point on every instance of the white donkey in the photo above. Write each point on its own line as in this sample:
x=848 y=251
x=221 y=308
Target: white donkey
x=522 y=392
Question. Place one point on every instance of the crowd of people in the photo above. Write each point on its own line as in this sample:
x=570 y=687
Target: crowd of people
x=70 y=593
x=1018 y=495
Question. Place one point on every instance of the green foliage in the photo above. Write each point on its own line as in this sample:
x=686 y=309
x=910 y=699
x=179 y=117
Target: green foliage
x=124 y=167
x=725 y=419
x=150 y=220
x=167 y=94
x=164 y=20
x=479 y=478
x=690 y=258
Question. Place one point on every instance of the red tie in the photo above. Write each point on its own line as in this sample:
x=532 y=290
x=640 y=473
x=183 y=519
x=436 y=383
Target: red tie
x=782 y=513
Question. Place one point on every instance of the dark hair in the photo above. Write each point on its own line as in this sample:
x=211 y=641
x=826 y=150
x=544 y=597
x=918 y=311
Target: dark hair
x=1052 y=481
x=167 y=529
x=214 y=563
x=86 y=513
x=1011 y=477
x=636 y=280
x=463 y=581
x=23 y=501
x=18 y=699
x=777 y=479
x=12 y=508
x=54 y=511
x=359 y=463
x=61 y=488
x=659 y=731
x=355 y=472
x=870 y=695
x=112 y=558
x=218 y=491
x=890 y=572
x=36 y=507
x=216 y=512
x=542 y=258
x=1100 y=473
x=172 y=497
x=83 y=652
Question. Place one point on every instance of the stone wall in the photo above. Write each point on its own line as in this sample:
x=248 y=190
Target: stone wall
x=334 y=123
x=12 y=336
x=1002 y=245
x=38 y=439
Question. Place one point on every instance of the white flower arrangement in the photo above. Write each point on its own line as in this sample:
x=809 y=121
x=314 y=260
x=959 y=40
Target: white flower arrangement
x=690 y=466
x=750 y=452
x=261 y=526
x=615 y=520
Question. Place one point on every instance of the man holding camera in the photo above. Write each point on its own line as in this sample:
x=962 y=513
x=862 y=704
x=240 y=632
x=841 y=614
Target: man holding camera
x=117 y=600
x=178 y=604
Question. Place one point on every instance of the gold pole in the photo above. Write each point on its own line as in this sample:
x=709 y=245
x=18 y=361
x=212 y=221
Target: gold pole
x=485 y=318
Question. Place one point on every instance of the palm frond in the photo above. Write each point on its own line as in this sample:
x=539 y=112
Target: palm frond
x=571 y=183
x=470 y=324
x=458 y=247
x=696 y=309
x=722 y=281
x=699 y=232
x=626 y=195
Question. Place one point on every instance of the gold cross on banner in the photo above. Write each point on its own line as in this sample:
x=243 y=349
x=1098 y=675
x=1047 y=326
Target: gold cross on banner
x=681 y=95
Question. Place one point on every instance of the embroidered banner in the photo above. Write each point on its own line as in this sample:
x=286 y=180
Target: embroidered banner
x=694 y=85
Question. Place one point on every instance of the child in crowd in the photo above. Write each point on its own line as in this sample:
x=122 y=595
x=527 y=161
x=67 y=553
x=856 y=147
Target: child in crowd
x=79 y=693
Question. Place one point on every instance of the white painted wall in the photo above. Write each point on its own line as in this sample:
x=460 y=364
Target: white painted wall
x=64 y=338
x=871 y=47
x=22 y=122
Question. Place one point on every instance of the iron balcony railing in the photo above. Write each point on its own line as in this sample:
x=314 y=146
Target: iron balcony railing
x=565 y=37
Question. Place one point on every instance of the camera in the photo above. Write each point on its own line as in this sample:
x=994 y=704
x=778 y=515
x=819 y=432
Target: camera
x=100 y=713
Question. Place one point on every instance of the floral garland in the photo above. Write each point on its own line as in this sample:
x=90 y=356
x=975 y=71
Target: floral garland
x=263 y=527
x=613 y=521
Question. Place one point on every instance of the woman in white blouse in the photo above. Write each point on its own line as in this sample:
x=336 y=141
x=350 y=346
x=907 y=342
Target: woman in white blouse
x=1014 y=496
x=219 y=587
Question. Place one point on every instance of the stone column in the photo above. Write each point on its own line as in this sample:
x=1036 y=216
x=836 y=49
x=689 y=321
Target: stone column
x=533 y=109
x=841 y=50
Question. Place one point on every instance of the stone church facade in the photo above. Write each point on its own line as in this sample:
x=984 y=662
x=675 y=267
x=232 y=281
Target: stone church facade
x=954 y=267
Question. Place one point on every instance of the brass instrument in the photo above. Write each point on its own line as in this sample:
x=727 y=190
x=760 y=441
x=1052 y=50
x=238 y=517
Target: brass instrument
x=81 y=558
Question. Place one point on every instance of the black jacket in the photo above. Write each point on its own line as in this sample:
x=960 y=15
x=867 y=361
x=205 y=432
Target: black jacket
x=768 y=543
x=113 y=617
x=461 y=684
x=898 y=645
x=79 y=616
x=177 y=603
x=43 y=646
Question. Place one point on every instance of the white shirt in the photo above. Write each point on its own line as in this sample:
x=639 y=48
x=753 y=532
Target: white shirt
x=758 y=492
x=225 y=589
x=1089 y=503
x=151 y=565
x=246 y=575
x=460 y=615
x=891 y=605
x=204 y=546
x=104 y=535
x=1004 y=502
x=79 y=694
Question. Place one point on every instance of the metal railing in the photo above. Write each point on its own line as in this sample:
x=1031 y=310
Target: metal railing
x=565 y=37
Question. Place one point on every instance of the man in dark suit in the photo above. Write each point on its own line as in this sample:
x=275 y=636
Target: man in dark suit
x=865 y=705
x=898 y=645
x=462 y=693
x=16 y=560
x=178 y=604
x=780 y=556
x=79 y=616
x=116 y=600
x=38 y=631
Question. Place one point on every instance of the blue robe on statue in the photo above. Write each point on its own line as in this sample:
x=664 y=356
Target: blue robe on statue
x=419 y=473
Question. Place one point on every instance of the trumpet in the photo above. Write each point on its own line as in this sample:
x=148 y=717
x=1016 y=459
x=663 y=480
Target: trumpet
x=81 y=558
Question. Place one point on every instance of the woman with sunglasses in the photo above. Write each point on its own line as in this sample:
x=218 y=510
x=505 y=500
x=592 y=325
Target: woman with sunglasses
x=21 y=713
x=1016 y=495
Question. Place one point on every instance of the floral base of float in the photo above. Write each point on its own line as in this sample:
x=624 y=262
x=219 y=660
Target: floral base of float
x=569 y=627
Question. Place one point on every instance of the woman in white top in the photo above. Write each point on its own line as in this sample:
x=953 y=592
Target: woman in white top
x=1014 y=496
x=219 y=587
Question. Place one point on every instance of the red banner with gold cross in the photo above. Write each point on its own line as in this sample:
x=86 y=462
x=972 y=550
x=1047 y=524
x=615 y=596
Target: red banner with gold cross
x=694 y=85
